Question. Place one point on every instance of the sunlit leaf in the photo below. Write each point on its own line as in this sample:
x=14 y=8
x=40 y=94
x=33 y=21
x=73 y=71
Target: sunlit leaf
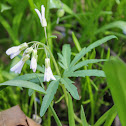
x=50 y=92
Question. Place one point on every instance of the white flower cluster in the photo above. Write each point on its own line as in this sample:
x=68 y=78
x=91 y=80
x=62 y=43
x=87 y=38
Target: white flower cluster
x=16 y=50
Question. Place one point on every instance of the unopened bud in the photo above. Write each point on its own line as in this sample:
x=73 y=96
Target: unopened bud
x=44 y=23
x=60 y=13
x=47 y=62
x=28 y=50
x=34 y=54
x=23 y=46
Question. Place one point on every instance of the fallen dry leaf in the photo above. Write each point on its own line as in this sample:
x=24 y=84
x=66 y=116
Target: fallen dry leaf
x=15 y=117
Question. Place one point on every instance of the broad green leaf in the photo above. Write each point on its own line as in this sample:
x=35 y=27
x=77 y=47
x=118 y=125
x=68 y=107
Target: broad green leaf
x=89 y=48
x=83 y=73
x=83 y=118
x=65 y=57
x=25 y=84
x=70 y=87
x=102 y=119
x=115 y=71
x=85 y=63
x=70 y=111
x=50 y=92
x=117 y=24
x=29 y=76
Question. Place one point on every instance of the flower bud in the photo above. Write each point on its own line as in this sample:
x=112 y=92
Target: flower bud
x=44 y=23
x=60 y=13
x=33 y=64
x=28 y=50
x=23 y=46
x=47 y=62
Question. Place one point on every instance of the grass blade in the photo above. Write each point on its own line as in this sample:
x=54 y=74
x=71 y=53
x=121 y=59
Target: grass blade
x=115 y=71
x=70 y=111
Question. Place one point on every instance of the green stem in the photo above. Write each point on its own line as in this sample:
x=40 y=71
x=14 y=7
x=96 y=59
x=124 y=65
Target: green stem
x=58 y=72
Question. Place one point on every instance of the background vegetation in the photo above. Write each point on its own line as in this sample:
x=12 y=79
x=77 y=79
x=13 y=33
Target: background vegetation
x=84 y=22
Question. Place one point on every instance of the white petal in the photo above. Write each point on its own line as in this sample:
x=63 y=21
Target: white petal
x=18 y=67
x=12 y=50
x=48 y=75
x=14 y=54
x=33 y=64
x=39 y=14
x=43 y=11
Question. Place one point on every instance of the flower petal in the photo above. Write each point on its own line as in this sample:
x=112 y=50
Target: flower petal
x=43 y=11
x=12 y=50
x=14 y=54
x=39 y=14
x=18 y=67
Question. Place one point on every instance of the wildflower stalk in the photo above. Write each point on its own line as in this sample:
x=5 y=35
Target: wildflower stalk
x=58 y=72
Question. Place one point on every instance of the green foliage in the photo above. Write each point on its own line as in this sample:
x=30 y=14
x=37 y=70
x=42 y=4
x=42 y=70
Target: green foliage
x=70 y=87
x=89 y=21
x=51 y=90
x=65 y=57
x=83 y=118
x=115 y=71
x=70 y=111
x=89 y=48
x=106 y=116
x=25 y=84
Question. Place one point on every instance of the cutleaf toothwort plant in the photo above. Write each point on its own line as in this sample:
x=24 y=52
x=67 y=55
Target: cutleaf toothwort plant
x=69 y=66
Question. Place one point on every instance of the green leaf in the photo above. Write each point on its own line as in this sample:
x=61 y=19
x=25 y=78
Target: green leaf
x=85 y=63
x=83 y=73
x=70 y=87
x=102 y=119
x=117 y=24
x=50 y=92
x=65 y=57
x=55 y=116
x=29 y=76
x=89 y=48
x=110 y=118
x=25 y=84
x=115 y=71
x=83 y=118
x=76 y=42
x=70 y=111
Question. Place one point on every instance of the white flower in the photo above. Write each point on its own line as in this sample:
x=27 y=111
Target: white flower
x=14 y=51
x=48 y=75
x=42 y=16
x=18 y=67
x=33 y=64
